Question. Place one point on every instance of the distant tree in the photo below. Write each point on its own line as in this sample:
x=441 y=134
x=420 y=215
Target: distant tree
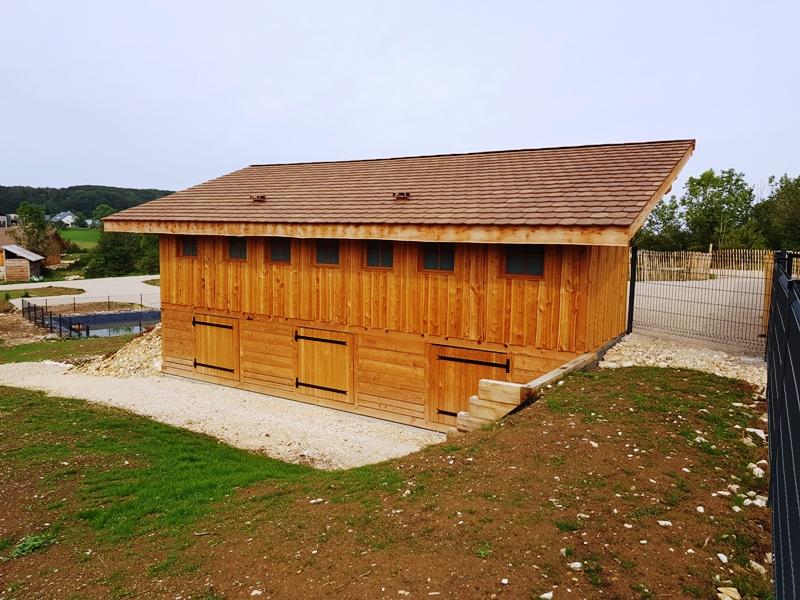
x=80 y=220
x=664 y=229
x=120 y=254
x=779 y=215
x=715 y=207
x=33 y=231
x=102 y=211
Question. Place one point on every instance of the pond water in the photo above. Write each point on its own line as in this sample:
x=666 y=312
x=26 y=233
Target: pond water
x=105 y=324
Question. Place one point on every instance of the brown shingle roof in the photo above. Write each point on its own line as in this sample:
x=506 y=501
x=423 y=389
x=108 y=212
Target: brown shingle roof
x=605 y=185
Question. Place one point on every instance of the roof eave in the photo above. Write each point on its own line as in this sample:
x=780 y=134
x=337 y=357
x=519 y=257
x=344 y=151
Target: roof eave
x=493 y=234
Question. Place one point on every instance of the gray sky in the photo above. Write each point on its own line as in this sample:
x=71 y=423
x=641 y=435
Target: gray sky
x=168 y=94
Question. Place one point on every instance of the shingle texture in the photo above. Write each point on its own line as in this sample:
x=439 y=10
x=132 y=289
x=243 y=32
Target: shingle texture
x=607 y=185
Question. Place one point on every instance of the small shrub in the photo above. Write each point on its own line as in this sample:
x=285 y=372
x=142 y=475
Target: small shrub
x=31 y=543
x=567 y=525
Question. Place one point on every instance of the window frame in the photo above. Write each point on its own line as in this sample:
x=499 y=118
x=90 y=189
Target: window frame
x=181 y=246
x=439 y=245
x=529 y=276
x=331 y=242
x=381 y=249
x=240 y=241
x=282 y=242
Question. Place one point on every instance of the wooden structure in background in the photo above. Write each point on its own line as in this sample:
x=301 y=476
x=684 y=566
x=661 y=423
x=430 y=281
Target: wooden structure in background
x=392 y=287
x=19 y=264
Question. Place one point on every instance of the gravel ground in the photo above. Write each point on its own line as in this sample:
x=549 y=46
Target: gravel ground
x=643 y=349
x=283 y=429
x=302 y=433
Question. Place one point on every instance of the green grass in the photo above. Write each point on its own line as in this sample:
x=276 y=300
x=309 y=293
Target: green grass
x=567 y=525
x=63 y=350
x=136 y=476
x=153 y=282
x=85 y=238
x=42 y=292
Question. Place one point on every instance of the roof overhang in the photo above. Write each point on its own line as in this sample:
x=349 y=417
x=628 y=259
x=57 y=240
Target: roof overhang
x=593 y=236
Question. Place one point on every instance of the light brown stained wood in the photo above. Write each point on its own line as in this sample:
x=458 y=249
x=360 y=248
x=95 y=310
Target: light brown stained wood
x=324 y=366
x=454 y=377
x=595 y=236
x=576 y=306
x=216 y=346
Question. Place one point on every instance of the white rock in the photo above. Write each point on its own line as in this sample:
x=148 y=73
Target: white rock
x=256 y=593
x=604 y=364
x=546 y=596
x=722 y=557
x=759 y=432
x=736 y=508
x=758 y=568
x=665 y=523
x=758 y=472
x=576 y=566
x=594 y=444
x=317 y=501
x=700 y=509
x=730 y=593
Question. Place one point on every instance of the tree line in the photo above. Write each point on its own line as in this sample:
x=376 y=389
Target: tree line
x=83 y=199
x=724 y=210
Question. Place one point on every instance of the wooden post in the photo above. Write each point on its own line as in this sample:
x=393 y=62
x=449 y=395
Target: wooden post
x=632 y=287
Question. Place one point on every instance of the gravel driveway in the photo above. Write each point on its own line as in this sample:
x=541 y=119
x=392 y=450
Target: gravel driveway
x=283 y=429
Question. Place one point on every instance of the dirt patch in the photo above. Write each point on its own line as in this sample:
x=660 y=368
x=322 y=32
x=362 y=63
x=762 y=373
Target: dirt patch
x=16 y=330
x=609 y=470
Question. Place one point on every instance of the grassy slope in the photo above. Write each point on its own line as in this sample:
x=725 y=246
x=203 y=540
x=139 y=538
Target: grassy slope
x=70 y=350
x=506 y=495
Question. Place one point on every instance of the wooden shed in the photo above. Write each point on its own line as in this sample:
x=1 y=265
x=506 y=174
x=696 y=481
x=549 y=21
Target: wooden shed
x=391 y=287
x=20 y=264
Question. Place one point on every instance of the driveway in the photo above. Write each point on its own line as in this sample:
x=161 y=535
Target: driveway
x=119 y=289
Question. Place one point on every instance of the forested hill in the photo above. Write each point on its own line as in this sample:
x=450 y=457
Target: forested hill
x=80 y=198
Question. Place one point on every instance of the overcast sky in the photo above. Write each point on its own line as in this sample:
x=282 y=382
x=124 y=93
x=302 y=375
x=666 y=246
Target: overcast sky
x=168 y=94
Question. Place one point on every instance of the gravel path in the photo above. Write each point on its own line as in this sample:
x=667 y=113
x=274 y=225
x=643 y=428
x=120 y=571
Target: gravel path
x=642 y=349
x=283 y=429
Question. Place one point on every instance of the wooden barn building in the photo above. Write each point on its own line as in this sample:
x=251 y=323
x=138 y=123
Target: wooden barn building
x=391 y=287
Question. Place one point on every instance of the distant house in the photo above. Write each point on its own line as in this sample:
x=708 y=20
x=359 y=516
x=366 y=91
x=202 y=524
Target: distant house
x=67 y=218
x=19 y=264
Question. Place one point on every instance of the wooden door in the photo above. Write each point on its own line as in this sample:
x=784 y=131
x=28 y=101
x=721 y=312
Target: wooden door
x=216 y=346
x=324 y=364
x=454 y=377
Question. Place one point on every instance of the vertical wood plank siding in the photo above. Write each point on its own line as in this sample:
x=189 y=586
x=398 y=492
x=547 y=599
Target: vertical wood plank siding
x=577 y=305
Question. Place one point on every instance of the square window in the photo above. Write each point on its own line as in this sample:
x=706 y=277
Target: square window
x=380 y=254
x=327 y=252
x=280 y=249
x=237 y=248
x=188 y=245
x=524 y=259
x=439 y=257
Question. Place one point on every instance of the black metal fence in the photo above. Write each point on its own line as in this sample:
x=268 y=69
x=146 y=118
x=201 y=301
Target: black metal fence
x=104 y=325
x=783 y=393
x=717 y=296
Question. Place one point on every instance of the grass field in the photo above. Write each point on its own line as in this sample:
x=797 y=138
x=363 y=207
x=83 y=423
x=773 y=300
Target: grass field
x=85 y=238
x=103 y=503
x=70 y=350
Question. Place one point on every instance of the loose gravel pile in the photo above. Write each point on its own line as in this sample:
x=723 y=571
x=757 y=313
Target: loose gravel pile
x=139 y=357
x=639 y=349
